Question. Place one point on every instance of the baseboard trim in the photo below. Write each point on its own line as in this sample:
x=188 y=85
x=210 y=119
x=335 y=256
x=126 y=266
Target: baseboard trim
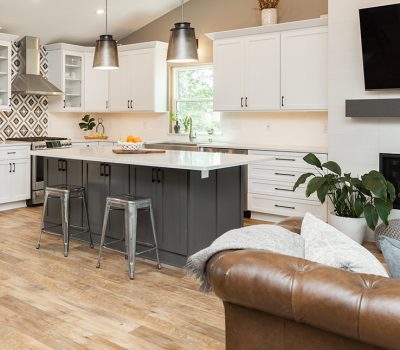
x=12 y=205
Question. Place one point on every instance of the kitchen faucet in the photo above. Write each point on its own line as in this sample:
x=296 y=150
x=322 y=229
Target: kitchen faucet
x=192 y=134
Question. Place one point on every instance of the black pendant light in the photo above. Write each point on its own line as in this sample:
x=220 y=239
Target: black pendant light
x=182 y=46
x=106 y=53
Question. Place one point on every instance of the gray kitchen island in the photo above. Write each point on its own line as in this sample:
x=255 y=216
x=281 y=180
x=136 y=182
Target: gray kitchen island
x=196 y=196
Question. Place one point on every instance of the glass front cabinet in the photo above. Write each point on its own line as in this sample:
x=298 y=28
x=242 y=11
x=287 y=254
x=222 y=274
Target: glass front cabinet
x=5 y=75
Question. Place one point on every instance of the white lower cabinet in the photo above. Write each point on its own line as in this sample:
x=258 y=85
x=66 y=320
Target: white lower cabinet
x=15 y=177
x=271 y=186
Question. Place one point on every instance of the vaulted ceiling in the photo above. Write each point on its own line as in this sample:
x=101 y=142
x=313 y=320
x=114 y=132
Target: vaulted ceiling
x=76 y=21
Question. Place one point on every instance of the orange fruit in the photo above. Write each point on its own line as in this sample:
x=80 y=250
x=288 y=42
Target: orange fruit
x=130 y=138
x=137 y=139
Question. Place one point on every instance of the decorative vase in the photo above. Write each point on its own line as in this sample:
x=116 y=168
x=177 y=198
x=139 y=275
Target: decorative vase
x=353 y=228
x=177 y=127
x=269 y=16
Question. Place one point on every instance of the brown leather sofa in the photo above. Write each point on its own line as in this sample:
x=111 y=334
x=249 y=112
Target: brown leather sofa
x=277 y=302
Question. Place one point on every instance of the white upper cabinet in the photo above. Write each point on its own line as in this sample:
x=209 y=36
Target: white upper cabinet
x=228 y=74
x=5 y=75
x=139 y=85
x=272 y=68
x=66 y=71
x=305 y=69
x=96 y=86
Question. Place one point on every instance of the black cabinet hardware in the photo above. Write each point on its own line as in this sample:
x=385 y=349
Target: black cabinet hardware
x=102 y=165
x=59 y=165
x=13 y=167
x=64 y=168
x=283 y=189
x=246 y=101
x=128 y=104
x=131 y=103
x=286 y=159
x=241 y=102
x=107 y=170
x=159 y=176
x=283 y=101
x=283 y=174
x=64 y=104
x=9 y=101
x=10 y=167
x=11 y=152
x=284 y=207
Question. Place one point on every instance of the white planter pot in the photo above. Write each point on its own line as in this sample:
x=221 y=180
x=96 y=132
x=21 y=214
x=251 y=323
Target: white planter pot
x=269 y=16
x=353 y=228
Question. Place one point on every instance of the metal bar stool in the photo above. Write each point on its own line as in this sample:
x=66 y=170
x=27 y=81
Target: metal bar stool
x=65 y=193
x=130 y=205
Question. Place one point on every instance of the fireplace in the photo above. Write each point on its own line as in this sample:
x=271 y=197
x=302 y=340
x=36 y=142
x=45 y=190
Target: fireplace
x=389 y=166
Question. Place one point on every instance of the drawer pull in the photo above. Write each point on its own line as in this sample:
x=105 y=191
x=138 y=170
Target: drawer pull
x=286 y=159
x=284 y=207
x=283 y=189
x=11 y=152
x=282 y=174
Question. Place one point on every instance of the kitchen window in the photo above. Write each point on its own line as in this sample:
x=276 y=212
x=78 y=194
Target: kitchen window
x=193 y=97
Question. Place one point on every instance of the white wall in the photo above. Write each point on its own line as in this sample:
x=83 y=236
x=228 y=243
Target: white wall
x=355 y=143
x=267 y=129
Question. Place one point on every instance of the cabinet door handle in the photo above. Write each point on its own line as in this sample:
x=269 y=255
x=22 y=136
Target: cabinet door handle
x=9 y=102
x=132 y=104
x=282 y=174
x=107 y=170
x=13 y=167
x=283 y=189
x=10 y=167
x=59 y=165
x=285 y=159
x=159 y=176
x=283 y=101
x=107 y=104
x=284 y=207
x=64 y=104
x=102 y=169
x=241 y=102
x=128 y=104
x=246 y=99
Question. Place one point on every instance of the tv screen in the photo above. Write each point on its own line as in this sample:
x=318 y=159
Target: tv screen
x=380 y=32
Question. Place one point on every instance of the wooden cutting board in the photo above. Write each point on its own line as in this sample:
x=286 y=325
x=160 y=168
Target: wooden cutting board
x=141 y=151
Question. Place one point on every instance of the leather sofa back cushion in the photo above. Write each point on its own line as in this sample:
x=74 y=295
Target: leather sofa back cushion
x=391 y=251
x=326 y=245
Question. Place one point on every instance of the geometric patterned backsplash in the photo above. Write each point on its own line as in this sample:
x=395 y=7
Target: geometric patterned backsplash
x=28 y=116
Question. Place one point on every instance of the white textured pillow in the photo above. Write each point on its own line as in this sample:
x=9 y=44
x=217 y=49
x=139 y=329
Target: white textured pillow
x=326 y=245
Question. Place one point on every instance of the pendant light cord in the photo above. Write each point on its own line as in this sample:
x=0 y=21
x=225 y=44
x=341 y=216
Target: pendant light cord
x=106 y=17
x=183 y=13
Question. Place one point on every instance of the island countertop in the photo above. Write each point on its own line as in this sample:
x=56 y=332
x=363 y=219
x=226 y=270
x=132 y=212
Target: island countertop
x=199 y=161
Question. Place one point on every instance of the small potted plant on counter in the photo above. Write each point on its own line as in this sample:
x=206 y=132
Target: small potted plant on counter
x=357 y=202
x=175 y=122
x=87 y=124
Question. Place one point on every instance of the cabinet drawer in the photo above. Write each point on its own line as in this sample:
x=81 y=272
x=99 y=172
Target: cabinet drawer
x=14 y=153
x=285 y=207
x=280 y=189
x=268 y=173
x=85 y=144
x=285 y=160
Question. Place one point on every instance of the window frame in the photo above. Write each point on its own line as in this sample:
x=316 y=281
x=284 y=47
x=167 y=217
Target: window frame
x=175 y=93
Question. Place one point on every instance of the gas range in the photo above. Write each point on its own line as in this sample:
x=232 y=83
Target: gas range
x=45 y=142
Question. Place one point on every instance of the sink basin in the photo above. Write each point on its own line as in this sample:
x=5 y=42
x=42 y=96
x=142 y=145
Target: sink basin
x=175 y=146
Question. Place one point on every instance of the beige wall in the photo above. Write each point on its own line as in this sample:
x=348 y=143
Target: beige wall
x=217 y=15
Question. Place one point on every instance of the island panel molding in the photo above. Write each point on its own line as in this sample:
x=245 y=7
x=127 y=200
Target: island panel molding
x=28 y=115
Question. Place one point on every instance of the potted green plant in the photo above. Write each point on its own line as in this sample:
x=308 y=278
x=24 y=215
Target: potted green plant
x=87 y=124
x=269 y=12
x=175 y=122
x=357 y=202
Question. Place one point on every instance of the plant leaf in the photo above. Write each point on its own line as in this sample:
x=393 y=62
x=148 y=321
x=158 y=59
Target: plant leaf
x=383 y=210
x=333 y=167
x=301 y=180
x=322 y=192
x=391 y=190
x=312 y=159
x=371 y=215
x=376 y=183
x=314 y=185
x=358 y=207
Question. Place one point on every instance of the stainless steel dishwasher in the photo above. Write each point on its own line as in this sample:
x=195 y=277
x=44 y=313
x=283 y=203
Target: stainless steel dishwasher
x=245 y=173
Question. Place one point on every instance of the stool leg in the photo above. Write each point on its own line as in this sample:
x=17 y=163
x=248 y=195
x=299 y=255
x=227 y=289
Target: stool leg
x=46 y=196
x=153 y=225
x=103 y=232
x=130 y=237
x=87 y=219
x=65 y=222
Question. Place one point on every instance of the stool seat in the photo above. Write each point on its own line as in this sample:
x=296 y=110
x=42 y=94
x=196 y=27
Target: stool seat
x=130 y=205
x=64 y=193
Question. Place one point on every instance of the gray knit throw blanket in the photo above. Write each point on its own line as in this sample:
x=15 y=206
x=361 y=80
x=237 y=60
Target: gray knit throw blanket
x=260 y=237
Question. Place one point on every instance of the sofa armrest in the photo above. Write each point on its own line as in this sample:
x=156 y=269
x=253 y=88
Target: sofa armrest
x=362 y=307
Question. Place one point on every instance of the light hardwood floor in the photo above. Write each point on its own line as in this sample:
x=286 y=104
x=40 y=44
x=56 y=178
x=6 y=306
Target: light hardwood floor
x=51 y=302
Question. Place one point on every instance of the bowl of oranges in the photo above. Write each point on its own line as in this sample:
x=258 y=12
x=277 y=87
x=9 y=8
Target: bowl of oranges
x=131 y=143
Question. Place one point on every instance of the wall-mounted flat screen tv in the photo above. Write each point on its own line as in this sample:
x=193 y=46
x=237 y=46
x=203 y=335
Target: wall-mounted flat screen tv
x=380 y=33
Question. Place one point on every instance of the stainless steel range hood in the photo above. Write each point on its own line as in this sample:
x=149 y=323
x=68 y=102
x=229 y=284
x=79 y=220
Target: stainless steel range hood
x=29 y=81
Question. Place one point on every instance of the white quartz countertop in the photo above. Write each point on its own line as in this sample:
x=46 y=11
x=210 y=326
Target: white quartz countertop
x=200 y=161
x=14 y=143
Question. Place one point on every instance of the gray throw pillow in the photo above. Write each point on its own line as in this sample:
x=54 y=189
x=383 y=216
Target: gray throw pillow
x=391 y=251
